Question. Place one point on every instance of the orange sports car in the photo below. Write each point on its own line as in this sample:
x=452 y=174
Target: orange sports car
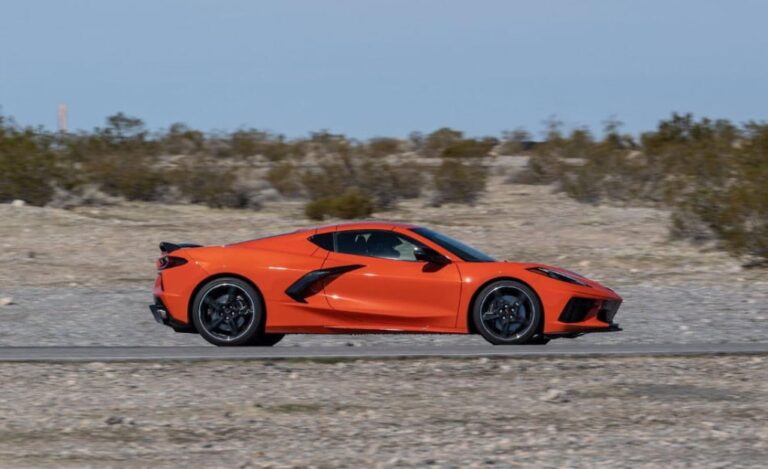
x=370 y=277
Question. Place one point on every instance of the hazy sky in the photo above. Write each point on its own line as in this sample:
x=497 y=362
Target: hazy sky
x=371 y=68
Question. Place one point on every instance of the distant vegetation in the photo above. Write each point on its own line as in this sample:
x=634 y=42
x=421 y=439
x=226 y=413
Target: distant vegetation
x=712 y=174
x=336 y=175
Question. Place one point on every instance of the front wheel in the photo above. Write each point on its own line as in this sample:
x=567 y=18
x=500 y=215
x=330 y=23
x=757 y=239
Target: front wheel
x=228 y=312
x=507 y=312
x=266 y=340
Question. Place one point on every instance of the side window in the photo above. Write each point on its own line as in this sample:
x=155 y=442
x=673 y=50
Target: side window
x=352 y=242
x=376 y=243
x=324 y=240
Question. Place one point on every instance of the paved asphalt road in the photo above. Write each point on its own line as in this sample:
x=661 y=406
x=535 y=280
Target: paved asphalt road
x=86 y=354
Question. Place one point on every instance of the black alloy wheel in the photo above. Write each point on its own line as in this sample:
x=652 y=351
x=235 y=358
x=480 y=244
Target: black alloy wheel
x=507 y=312
x=228 y=311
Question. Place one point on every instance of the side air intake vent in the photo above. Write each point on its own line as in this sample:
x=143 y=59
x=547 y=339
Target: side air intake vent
x=577 y=309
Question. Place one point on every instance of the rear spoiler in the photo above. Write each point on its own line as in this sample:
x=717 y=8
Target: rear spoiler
x=166 y=247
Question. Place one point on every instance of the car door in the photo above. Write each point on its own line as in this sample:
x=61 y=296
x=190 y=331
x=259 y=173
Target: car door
x=389 y=288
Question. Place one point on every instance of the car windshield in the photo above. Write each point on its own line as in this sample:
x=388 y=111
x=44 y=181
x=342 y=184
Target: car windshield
x=466 y=253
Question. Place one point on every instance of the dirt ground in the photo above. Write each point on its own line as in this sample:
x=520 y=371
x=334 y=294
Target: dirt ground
x=618 y=412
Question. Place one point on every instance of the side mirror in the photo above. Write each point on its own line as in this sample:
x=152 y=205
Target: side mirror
x=430 y=256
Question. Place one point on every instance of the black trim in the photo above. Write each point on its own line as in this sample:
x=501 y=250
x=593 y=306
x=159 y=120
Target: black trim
x=462 y=251
x=608 y=310
x=167 y=247
x=303 y=287
x=160 y=313
x=324 y=240
x=613 y=327
x=577 y=309
x=558 y=276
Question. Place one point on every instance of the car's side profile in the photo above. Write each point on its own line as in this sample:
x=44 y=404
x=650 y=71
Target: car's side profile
x=370 y=277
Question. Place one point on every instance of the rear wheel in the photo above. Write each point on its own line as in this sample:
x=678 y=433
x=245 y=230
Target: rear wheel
x=507 y=312
x=228 y=312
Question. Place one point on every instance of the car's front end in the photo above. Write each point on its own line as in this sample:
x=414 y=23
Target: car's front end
x=573 y=304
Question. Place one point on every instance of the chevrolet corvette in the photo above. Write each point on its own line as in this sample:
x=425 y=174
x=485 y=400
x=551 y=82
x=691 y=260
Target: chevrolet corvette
x=370 y=277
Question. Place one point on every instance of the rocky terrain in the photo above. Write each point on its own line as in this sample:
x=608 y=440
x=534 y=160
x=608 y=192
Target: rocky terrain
x=630 y=412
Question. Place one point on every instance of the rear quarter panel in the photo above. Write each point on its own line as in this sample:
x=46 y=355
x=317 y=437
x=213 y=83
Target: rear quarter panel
x=272 y=271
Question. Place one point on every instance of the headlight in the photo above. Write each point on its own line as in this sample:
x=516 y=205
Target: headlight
x=557 y=275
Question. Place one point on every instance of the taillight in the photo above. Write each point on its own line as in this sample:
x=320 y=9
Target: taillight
x=167 y=262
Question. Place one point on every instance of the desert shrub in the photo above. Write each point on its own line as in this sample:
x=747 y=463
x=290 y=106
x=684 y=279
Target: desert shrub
x=251 y=142
x=543 y=167
x=380 y=146
x=329 y=179
x=459 y=182
x=436 y=142
x=181 y=140
x=516 y=142
x=544 y=163
x=122 y=134
x=351 y=204
x=382 y=183
x=218 y=188
x=416 y=141
x=728 y=192
x=119 y=159
x=326 y=143
x=585 y=168
x=247 y=142
x=129 y=175
x=599 y=169
x=470 y=148
x=285 y=178
x=386 y=184
x=711 y=174
x=27 y=166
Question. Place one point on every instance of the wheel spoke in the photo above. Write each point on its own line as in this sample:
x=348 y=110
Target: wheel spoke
x=506 y=312
x=231 y=294
x=489 y=315
x=227 y=311
x=517 y=326
x=208 y=301
x=216 y=323
x=232 y=326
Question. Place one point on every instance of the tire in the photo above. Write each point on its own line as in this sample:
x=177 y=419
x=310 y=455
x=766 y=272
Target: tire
x=538 y=340
x=266 y=340
x=507 y=312
x=228 y=311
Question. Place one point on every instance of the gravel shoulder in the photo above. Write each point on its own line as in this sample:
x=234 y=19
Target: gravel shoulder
x=706 y=411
